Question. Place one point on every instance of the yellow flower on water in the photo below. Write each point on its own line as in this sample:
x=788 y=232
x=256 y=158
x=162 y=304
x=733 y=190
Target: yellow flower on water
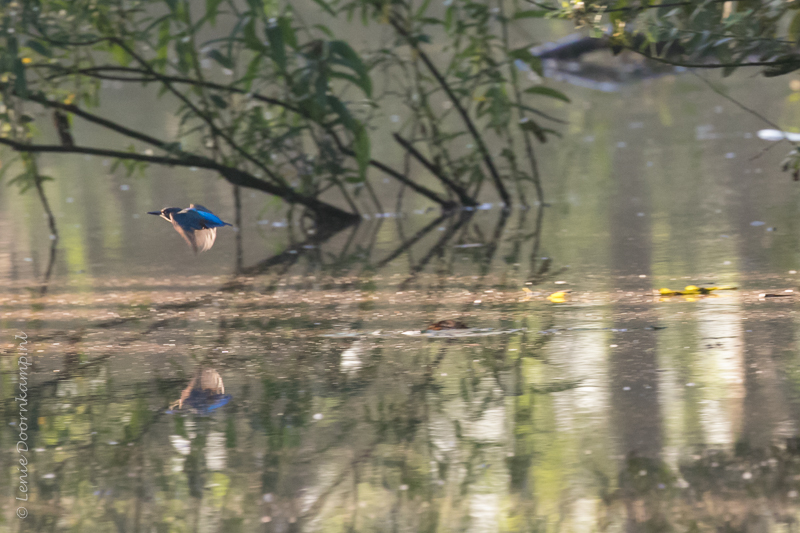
x=26 y=60
x=559 y=297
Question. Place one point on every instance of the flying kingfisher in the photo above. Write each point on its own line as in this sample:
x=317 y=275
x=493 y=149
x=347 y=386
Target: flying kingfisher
x=196 y=224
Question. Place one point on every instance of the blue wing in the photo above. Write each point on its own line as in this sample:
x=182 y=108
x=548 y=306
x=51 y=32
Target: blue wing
x=212 y=220
x=195 y=230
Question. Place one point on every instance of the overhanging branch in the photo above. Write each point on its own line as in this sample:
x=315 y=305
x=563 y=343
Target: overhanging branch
x=98 y=73
x=231 y=174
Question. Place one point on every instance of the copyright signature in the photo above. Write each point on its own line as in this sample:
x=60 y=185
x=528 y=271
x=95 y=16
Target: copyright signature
x=22 y=512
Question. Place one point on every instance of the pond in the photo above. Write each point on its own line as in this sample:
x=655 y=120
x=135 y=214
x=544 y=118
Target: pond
x=285 y=382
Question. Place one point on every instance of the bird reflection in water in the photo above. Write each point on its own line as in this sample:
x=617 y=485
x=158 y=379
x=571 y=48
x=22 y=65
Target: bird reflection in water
x=203 y=395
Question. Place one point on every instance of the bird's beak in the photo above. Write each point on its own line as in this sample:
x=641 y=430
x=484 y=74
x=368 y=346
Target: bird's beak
x=154 y=213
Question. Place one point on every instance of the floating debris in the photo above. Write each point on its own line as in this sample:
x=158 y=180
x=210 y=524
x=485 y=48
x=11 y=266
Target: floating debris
x=446 y=324
x=692 y=290
x=787 y=293
x=559 y=297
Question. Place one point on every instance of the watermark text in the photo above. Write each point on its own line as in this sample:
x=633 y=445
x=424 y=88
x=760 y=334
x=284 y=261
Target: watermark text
x=22 y=441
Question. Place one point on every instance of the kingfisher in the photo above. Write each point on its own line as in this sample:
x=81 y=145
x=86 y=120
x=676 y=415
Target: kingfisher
x=196 y=224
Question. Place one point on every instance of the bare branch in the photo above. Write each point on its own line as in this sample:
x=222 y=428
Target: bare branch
x=436 y=171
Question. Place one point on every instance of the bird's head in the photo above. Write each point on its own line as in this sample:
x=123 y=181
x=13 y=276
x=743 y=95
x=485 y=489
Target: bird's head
x=165 y=213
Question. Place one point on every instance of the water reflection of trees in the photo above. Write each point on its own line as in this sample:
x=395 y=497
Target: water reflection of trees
x=398 y=443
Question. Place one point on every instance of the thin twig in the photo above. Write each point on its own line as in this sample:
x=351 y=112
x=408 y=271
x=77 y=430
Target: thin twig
x=753 y=112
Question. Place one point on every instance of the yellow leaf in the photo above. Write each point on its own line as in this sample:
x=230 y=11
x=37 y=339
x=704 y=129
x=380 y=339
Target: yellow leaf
x=559 y=297
x=26 y=60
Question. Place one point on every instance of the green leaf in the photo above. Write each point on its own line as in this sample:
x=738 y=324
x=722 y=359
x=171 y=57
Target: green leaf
x=349 y=58
x=120 y=55
x=40 y=48
x=324 y=29
x=217 y=56
x=20 y=83
x=162 y=49
x=532 y=127
x=289 y=35
x=448 y=18
x=324 y=5
x=547 y=91
x=277 y=47
x=24 y=181
x=252 y=72
x=422 y=9
x=218 y=101
x=212 y=9
x=184 y=52
x=341 y=110
x=251 y=41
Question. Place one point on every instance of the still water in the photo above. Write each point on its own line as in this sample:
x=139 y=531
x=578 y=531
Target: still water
x=168 y=393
